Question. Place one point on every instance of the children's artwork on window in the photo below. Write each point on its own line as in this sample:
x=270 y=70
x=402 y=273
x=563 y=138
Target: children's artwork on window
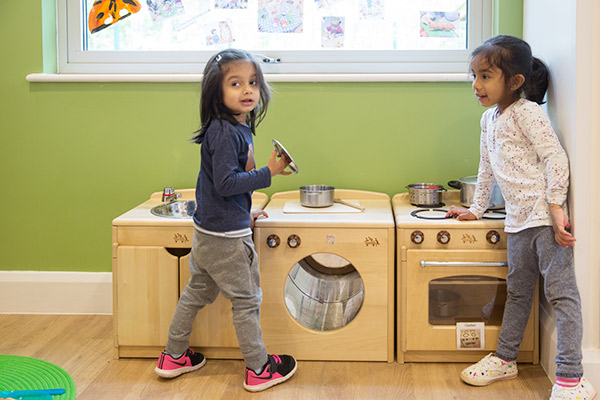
x=439 y=24
x=280 y=16
x=163 y=9
x=104 y=13
x=332 y=32
x=370 y=9
x=231 y=4
x=193 y=21
x=219 y=33
x=325 y=3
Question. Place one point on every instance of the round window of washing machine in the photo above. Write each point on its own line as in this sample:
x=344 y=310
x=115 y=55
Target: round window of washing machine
x=323 y=292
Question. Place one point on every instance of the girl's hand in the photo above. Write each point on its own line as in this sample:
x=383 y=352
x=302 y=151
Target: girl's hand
x=254 y=216
x=561 y=226
x=277 y=166
x=461 y=214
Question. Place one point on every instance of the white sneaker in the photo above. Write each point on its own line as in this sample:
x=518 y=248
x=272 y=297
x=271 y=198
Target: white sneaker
x=583 y=391
x=489 y=370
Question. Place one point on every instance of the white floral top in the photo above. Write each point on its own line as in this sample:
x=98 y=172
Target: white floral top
x=520 y=150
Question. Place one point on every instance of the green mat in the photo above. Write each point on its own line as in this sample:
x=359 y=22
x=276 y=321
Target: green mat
x=26 y=373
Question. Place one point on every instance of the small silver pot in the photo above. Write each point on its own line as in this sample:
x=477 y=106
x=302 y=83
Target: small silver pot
x=467 y=185
x=316 y=195
x=425 y=194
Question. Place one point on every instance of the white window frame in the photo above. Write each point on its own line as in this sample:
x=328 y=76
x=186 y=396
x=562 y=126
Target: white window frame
x=73 y=60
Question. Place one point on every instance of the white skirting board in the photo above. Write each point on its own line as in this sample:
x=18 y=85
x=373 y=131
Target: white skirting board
x=59 y=292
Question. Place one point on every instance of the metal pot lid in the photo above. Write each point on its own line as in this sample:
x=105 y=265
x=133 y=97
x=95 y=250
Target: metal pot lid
x=468 y=179
x=281 y=151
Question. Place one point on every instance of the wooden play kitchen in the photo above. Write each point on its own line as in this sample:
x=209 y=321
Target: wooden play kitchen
x=150 y=269
x=339 y=282
x=451 y=285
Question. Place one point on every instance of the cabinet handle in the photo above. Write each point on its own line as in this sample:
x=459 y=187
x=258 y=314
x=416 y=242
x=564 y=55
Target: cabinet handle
x=491 y=264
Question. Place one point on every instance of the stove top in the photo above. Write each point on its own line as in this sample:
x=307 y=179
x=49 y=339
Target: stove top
x=409 y=215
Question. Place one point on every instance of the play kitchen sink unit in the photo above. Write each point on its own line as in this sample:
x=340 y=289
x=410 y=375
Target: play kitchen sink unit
x=451 y=282
x=151 y=246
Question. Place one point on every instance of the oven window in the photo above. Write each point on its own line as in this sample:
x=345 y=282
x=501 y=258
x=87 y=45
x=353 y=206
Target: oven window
x=466 y=299
x=323 y=292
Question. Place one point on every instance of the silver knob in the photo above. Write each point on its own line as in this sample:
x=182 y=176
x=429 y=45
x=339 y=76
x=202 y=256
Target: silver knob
x=273 y=241
x=293 y=241
x=443 y=237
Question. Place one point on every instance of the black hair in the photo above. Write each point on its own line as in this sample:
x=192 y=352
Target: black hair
x=513 y=56
x=211 y=99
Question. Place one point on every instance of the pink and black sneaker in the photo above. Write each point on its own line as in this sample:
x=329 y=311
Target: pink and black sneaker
x=169 y=367
x=278 y=369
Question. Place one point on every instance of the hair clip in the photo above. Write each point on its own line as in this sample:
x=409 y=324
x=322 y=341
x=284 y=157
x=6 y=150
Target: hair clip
x=218 y=59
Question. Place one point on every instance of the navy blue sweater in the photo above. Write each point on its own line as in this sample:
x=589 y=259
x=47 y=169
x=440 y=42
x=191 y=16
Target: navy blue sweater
x=227 y=178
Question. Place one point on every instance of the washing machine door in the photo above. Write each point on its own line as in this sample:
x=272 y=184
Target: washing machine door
x=323 y=292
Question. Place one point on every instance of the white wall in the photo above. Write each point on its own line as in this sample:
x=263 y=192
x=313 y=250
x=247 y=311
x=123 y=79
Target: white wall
x=565 y=35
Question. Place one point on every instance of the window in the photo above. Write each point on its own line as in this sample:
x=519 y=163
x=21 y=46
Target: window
x=290 y=36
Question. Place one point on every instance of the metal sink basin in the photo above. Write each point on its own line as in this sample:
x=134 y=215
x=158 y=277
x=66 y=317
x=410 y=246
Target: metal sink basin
x=175 y=209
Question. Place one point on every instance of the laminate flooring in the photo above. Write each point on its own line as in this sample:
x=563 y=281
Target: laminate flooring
x=83 y=346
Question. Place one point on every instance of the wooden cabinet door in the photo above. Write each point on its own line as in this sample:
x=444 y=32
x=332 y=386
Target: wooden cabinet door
x=213 y=326
x=147 y=294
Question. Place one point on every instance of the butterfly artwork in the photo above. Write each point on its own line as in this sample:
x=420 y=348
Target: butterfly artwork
x=104 y=13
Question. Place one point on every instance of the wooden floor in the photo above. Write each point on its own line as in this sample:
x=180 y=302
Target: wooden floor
x=82 y=346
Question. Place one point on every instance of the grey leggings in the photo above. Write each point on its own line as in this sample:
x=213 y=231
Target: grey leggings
x=231 y=266
x=531 y=252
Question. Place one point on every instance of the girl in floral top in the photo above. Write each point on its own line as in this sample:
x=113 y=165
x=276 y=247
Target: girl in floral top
x=520 y=150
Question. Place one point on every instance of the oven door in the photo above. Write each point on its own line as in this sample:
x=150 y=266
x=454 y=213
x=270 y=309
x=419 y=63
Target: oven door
x=446 y=287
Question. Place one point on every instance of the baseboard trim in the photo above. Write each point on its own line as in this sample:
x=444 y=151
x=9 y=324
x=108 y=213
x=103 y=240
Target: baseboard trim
x=55 y=292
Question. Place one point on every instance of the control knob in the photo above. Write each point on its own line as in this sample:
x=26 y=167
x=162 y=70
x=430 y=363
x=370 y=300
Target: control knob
x=273 y=241
x=417 y=237
x=293 y=241
x=493 y=237
x=443 y=237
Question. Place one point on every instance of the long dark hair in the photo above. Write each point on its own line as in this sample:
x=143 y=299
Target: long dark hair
x=513 y=56
x=211 y=100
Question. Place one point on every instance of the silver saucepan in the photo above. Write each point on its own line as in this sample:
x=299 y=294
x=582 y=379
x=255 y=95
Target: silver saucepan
x=467 y=185
x=321 y=196
x=425 y=194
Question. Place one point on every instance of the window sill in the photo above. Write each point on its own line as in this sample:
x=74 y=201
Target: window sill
x=270 y=77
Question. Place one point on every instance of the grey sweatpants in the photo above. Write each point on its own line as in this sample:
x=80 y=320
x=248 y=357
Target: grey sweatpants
x=231 y=266
x=531 y=252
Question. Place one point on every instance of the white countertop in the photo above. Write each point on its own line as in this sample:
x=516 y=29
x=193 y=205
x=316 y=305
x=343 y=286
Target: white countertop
x=377 y=213
x=141 y=215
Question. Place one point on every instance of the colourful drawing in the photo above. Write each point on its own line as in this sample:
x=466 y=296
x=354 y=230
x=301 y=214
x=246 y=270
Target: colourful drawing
x=332 y=32
x=439 y=24
x=370 y=9
x=231 y=4
x=280 y=16
x=219 y=33
x=104 y=13
x=163 y=9
x=325 y=3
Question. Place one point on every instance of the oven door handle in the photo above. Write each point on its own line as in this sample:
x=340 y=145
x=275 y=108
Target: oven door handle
x=491 y=264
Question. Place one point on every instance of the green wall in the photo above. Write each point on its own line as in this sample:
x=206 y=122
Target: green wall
x=76 y=155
